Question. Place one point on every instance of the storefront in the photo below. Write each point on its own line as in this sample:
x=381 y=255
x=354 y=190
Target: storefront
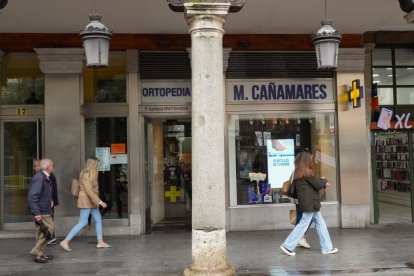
x=392 y=134
x=269 y=120
x=136 y=116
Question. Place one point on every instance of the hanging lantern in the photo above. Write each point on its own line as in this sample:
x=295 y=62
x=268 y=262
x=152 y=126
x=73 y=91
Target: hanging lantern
x=326 y=41
x=96 y=37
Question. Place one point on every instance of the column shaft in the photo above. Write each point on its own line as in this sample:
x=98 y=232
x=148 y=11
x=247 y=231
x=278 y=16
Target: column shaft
x=209 y=254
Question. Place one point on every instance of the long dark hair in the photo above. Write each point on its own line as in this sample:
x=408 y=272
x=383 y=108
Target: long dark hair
x=303 y=165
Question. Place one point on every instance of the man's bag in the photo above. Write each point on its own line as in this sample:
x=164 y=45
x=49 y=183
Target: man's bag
x=75 y=188
x=44 y=230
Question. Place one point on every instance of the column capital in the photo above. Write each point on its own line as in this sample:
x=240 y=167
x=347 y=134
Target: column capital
x=351 y=59
x=179 y=5
x=60 y=60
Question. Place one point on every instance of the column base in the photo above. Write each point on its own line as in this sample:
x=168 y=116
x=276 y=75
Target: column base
x=230 y=271
x=209 y=254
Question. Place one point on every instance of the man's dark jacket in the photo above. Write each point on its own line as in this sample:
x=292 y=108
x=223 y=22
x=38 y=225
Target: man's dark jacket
x=307 y=193
x=40 y=195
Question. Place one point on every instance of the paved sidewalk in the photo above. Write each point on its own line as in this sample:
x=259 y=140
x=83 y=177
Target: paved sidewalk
x=377 y=250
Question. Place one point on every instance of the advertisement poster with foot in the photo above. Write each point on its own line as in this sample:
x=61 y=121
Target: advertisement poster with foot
x=280 y=160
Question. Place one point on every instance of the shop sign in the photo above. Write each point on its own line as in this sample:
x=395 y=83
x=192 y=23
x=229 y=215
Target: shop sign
x=166 y=92
x=385 y=120
x=118 y=159
x=118 y=148
x=353 y=94
x=280 y=90
x=164 y=108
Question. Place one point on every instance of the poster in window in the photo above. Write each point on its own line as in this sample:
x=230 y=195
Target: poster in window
x=280 y=160
x=103 y=153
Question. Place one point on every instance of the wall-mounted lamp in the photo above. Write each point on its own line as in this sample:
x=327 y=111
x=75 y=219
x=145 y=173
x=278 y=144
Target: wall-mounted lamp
x=326 y=41
x=96 y=37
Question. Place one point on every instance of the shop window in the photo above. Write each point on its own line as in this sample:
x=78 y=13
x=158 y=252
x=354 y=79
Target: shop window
x=382 y=76
x=404 y=57
x=404 y=76
x=106 y=138
x=405 y=96
x=385 y=96
x=22 y=82
x=262 y=150
x=381 y=57
x=106 y=85
x=393 y=73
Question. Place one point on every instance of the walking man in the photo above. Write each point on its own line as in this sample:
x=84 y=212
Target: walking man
x=40 y=206
x=55 y=198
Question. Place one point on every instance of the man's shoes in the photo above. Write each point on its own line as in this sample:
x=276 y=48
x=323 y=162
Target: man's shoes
x=52 y=241
x=332 y=251
x=287 y=251
x=48 y=257
x=304 y=243
x=40 y=259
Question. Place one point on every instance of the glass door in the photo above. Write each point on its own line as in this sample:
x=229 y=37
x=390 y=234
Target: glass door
x=393 y=177
x=21 y=144
x=168 y=162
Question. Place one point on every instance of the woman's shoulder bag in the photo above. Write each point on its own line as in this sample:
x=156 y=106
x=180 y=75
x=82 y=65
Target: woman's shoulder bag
x=75 y=188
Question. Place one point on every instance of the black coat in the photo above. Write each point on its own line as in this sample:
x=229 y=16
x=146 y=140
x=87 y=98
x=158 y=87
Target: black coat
x=307 y=193
x=55 y=197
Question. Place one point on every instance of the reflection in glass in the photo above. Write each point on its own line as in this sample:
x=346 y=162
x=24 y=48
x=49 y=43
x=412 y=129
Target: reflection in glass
x=405 y=76
x=110 y=91
x=251 y=152
x=382 y=76
x=106 y=85
x=404 y=57
x=20 y=149
x=22 y=91
x=405 y=95
x=381 y=57
x=110 y=134
x=385 y=96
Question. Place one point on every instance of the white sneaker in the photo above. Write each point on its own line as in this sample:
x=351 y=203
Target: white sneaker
x=287 y=251
x=304 y=243
x=332 y=251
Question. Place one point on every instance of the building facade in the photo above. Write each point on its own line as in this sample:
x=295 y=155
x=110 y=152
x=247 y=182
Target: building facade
x=136 y=117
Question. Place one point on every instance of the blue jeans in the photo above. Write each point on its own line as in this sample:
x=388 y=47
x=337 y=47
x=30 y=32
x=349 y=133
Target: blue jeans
x=83 y=221
x=307 y=217
x=299 y=216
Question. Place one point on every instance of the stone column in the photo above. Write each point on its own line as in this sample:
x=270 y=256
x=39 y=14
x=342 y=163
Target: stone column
x=208 y=220
x=63 y=122
x=135 y=188
x=206 y=20
x=354 y=158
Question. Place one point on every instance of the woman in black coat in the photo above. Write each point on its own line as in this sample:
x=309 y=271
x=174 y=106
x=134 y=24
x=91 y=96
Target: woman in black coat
x=307 y=187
